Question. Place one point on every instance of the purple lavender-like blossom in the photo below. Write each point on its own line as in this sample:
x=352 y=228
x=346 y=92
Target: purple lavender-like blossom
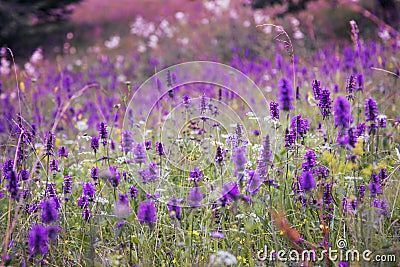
x=148 y=145
x=126 y=141
x=52 y=232
x=195 y=197
x=147 y=212
x=54 y=165
x=360 y=82
x=360 y=129
x=94 y=173
x=103 y=134
x=67 y=187
x=8 y=166
x=300 y=126
x=350 y=87
x=196 y=175
x=83 y=201
x=254 y=182
x=325 y=103
x=327 y=198
x=203 y=105
x=23 y=175
x=316 y=88
x=322 y=172
x=139 y=154
x=307 y=181
x=63 y=152
x=375 y=189
x=49 y=143
x=371 y=110
x=381 y=205
x=239 y=159
x=290 y=138
x=122 y=207
x=186 y=101
x=265 y=158
x=286 y=94
x=86 y=214
x=95 y=143
x=51 y=193
x=133 y=191
x=342 y=113
x=114 y=177
x=89 y=190
x=218 y=156
x=49 y=211
x=274 y=110
x=160 y=149
x=381 y=121
x=174 y=208
x=13 y=185
x=309 y=161
x=38 y=240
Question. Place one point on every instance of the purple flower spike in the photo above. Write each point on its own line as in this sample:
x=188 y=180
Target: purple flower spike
x=316 y=88
x=38 y=240
x=342 y=114
x=139 y=154
x=102 y=127
x=195 y=197
x=63 y=152
x=371 y=110
x=49 y=211
x=95 y=143
x=174 y=208
x=286 y=94
x=147 y=212
x=307 y=181
x=49 y=140
x=325 y=103
x=274 y=110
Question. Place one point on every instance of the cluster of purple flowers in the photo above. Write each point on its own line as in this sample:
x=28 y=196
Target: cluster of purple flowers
x=286 y=94
x=39 y=237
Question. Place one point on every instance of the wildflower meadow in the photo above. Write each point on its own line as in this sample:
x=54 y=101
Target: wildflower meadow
x=210 y=135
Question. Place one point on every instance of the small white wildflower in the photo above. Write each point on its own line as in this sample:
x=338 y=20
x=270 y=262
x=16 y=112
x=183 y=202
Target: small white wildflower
x=82 y=126
x=113 y=42
x=223 y=257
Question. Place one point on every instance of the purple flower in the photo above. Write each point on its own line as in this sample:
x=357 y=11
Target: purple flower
x=325 y=103
x=89 y=190
x=49 y=144
x=133 y=191
x=67 y=186
x=286 y=94
x=139 y=154
x=102 y=127
x=38 y=240
x=217 y=235
x=122 y=207
x=115 y=177
x=290 y=138
x=24 y=175
x=265 y=158
x=309 y=160
x=13 y=185
x=54 y=165
x=8 y=166
x=160 y=149
x=371 y=110
x=360 y=129
x=49 y=211
x=186 y=101
x=360 y=82
x=218 y=156
x=147 y=212
x=148 y=145
x=195 y=196
x=316 y=88
x=342 y=113
x=381 y=121
x=230 y=192
x=350 y=87
x=52 y=232
x=196 y=175
x=86 y=214
x=375 y=189
x=83 y=201
x=95 y=143
x=254 y=183
x=126 y=141
x=307 y=181
x=299 y=125
x=327 y=198
x=94 y=173
x=381 y=205
x=239 y=159
x=274 y=110
x=174 y=208
x=63 y=152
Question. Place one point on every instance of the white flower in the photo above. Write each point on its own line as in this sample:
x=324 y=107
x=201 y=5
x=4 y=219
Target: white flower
x=37 y=56
x=113 y=42
x=223 y=257
x=82 y=126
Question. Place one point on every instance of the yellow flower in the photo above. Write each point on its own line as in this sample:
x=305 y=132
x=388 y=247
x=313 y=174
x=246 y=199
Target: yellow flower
x=22 y=86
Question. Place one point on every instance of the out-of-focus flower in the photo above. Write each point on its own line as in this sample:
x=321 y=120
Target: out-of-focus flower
x=342 y=113
x=38 y=240
x=286 y=92
x=147 y=212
